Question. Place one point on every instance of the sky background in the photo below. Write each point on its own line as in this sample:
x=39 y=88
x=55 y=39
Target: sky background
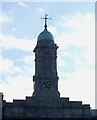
x=73 y=28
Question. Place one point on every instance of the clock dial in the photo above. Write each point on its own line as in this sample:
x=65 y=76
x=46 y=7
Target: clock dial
x=47 y=84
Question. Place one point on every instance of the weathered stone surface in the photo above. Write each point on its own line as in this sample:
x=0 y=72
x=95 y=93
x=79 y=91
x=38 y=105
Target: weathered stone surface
x=76 y=104
x=33 y=108
x=76 y=113
x=94 y=113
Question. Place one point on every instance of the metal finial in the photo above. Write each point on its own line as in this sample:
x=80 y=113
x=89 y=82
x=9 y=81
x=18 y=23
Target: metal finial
x=45 y=26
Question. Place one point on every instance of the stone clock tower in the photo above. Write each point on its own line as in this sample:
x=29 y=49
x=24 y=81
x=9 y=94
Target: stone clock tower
x=46 y=79
x=45 y=101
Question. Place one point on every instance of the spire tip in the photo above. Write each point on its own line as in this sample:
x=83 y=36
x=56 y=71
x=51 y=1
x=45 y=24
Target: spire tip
x=45 y=18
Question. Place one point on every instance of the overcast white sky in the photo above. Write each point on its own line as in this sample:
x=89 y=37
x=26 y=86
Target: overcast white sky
x=73 y=28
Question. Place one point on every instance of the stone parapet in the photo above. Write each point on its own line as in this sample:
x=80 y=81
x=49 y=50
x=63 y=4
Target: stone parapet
x=76 y=104
x=33 y=108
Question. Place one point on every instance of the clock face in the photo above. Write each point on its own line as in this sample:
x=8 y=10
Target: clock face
x=47 y=84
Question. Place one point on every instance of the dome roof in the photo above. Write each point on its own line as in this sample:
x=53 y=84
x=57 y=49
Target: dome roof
x=45 y=35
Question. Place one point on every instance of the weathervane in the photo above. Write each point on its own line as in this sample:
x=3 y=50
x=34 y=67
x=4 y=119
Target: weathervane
x=45 y=26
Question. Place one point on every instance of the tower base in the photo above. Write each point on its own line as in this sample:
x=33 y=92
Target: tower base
x=31 y=108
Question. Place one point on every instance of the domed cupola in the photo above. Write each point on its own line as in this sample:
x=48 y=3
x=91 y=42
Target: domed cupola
x=45 y=35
